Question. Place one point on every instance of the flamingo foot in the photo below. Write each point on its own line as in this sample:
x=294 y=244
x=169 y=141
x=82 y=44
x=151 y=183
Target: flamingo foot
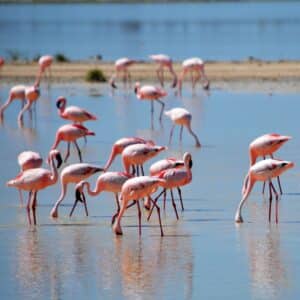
x=117 y=229
x=54 y=213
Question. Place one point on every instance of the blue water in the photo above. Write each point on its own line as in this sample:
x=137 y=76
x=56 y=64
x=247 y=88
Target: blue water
x=213 y=31
x=204 y=254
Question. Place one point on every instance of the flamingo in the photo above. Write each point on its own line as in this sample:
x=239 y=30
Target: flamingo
x=265 y=145
x=45 y=63
x=122 y=65
x=37 y=179
x=192 y=65
x=175 y=178
x=70 y=133
x=2 y=61
x=263 y=170
x=28 y=160
x=73 y=174
x=73 y=113
x=182 y=117
x=16 y=92
x=135 y=189
x=32 y=93
x=164 y=61
x=109 y=182
x=121 y=144
x=152 y=93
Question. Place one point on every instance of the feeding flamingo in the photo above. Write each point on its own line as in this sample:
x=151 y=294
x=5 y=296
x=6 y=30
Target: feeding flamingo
x=109 y=182
x=34 y=180
x=192 y=65
x=122 y=65
x=70 y=133
x=121 y=144
x=263 y=170
x=164 y=61
x=152 y=93
x=265 y=145
x=73 y=174
x=135 y=189
x=182 y=117
x=175 y=178
x=45 y=63
x=73 y=113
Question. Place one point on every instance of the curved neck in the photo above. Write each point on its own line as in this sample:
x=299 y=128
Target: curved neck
x=54 y=172
x=94 y=192
x=114 y=152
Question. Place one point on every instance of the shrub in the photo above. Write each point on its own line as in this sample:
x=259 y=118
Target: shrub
x=59 y=57
x=95 y=75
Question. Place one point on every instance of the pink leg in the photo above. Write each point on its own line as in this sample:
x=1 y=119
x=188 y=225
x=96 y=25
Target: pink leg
x=171 y=133
x=180 y=197
x=277 y=199
x=118 y=209
x=33 y=207
x=28 y=207
x=139 y=216
x=270 y=200
x=78 y=150
x=174 y=204
x=155 y=200
x=68 y=152
x=159 y=218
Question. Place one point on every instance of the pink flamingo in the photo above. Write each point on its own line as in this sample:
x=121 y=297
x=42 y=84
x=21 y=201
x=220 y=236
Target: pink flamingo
x=175 y=178
x=192 y=65
x=16 y=92
x=28 y=160
x=34 y=180
x=152 y=93
x=265 y=145
x=122 y=65
x=73 y=113
x=45 y=63
x=135 y=189
x=120 y=145
x=73 y=174
x=164 y=61
x=263 y=170
x=70 y=133
x=182 y=117
x=109 y=182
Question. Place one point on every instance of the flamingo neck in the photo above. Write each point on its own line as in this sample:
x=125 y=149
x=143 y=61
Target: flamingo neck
x=114 y=152
x=94 y=192
x=54 y=172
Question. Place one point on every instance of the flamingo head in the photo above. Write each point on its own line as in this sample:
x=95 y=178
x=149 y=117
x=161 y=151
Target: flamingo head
x=174 y=83
x=61 y=102
x=206 y=85
x=55 y=154
x=137 y=86
x=285 y=165
x=187 y=158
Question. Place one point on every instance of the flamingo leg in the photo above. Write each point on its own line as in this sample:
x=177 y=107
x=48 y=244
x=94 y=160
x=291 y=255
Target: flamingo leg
x=197 y=78
x=85 y=206
x=68 y=152
x=133 y=170
x=159 y=218
x=142 y=170
x=174 y=204
x=78 y=150
x=118 y=209
x=21 y=197
x=33 y=207
x=278 y=179
x=277 y=200
x=165 y=196
x=155 y=200
x=264 y=184
x=270 y=200
x=181 y=130
x=77 y=199
x=158 y=72
x=162 y=76
x=152 y=113
x=180 y=197
x=28 y=208
x=171 y=133
x=139 y=216
x=162 y=109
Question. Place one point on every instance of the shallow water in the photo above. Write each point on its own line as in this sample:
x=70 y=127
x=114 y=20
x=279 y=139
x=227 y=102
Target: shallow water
x=213 y=31
x=204 y=254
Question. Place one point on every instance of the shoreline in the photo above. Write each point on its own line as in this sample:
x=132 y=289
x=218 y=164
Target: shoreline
x=223 y=71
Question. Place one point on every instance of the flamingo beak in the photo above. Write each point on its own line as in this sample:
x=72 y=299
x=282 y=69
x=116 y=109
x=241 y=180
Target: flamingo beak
x=135 y=89
x=206 y=86
x=59 y=160
x=113 y=85
x=190 y=164
x=174 y=82
x=78 y=195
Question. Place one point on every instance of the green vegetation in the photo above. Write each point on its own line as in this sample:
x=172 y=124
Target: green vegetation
x=14 y=55
x=95 y=75
x=59 y=57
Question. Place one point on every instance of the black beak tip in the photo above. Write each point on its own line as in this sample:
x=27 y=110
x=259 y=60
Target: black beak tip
x=78 y=195
x=59 y=160
x=191 y=164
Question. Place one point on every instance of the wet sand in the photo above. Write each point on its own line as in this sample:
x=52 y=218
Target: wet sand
x=216 y=71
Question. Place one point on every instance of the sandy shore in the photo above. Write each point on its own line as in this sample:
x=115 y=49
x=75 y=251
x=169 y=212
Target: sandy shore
x=216 y=71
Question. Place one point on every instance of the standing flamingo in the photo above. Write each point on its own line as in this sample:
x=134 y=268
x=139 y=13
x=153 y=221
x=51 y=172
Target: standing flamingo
x=192 y=65
x=45 y=63
x=164 y=61
x=152 y=93
x=175 y=178
x=182 y=117
x=73 y=174
x=121 y=144
x=122 y=65
x=263 y=170
x=265 y=145
x=109 y=182
x=73 y=113
x=70 y=133
x=135 y=189
x=16 y=92
x=34 y=180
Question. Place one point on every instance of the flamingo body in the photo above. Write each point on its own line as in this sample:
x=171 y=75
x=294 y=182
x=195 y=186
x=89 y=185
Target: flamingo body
x=29 y=160
x=165 y=164
x=121 y=65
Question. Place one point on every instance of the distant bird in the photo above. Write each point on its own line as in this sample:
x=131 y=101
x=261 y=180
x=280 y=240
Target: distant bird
x=45 y=63
x=164 y=61
x=175 y=178
x=70 y=133
x=182 y=117
x=73 y=174
x=34 y=180
x=121 y=144
x=16 y=92
x=73 y=113
x=135 y=189
x=136 y=155
x=263 y=170
x=32 y=94
x=152 y=93
x=192 y=65
x=28 y=160
x=121 y=66
x=265 y=145
x=106 y=182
